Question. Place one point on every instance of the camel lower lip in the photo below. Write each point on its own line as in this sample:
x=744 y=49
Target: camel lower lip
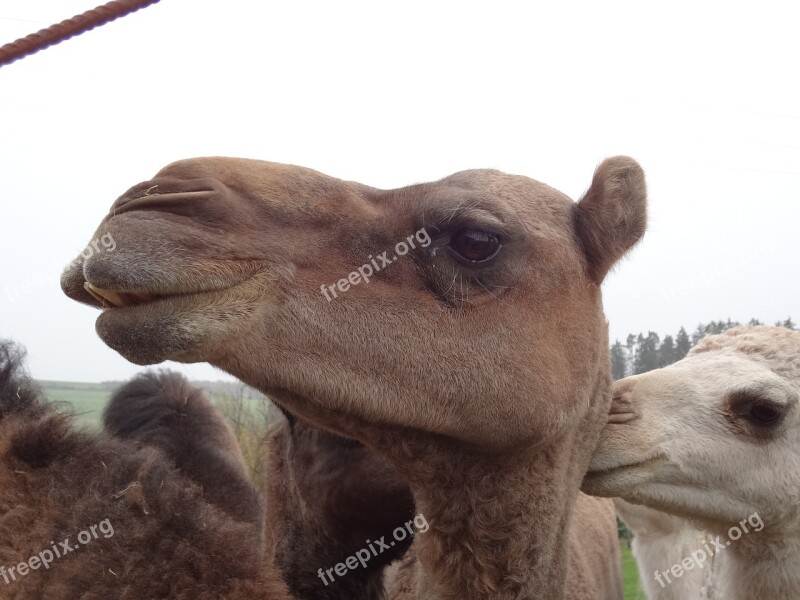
x=625 y=467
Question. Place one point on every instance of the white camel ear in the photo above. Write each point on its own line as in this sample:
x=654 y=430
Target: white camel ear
x=612 y=215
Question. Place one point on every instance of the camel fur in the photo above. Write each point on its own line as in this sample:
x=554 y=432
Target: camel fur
x=95 y=517
x=164 y=411
x=326 y=496
x=661 y=540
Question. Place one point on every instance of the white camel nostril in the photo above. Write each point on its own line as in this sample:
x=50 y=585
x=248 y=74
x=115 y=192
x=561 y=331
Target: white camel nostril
x=622 y=417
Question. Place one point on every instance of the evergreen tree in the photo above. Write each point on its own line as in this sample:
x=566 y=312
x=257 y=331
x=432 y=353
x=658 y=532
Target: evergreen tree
x=682 y=344
x=712 y=328
x=730 y=324
x=619 y=360
x=666 y=352
x=646 y=353
x=698 y=334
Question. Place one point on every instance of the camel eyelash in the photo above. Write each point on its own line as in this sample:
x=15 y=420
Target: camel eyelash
x=470 y=213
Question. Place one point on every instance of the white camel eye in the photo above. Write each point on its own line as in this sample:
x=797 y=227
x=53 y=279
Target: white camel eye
x=765 y=414
x=757 y=410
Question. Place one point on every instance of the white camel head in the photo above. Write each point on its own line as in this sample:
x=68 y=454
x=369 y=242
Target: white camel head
x=715 y=437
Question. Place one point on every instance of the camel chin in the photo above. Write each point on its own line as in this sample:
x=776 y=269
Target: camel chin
x=609 y=482
x=665 y=486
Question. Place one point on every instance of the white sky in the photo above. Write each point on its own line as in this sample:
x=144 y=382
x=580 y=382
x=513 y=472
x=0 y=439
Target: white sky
x=705 y=95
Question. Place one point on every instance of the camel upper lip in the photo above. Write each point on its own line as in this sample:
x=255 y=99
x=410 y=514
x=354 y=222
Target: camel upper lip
x=109 y=292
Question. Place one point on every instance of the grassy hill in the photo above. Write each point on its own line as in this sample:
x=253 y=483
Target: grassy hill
x=87 y=400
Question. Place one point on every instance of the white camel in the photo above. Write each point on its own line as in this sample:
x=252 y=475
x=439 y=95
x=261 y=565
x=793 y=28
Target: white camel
x=715 y=438
x=661 y=540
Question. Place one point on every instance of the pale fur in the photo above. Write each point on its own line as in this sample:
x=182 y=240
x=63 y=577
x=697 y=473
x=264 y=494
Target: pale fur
x=661 y=540
x=675 y=443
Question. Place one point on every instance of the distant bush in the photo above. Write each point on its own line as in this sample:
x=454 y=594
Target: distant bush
x=250 y=415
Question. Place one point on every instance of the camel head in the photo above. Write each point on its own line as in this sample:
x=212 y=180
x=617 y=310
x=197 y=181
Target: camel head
x=714 y=437
x=468 y=307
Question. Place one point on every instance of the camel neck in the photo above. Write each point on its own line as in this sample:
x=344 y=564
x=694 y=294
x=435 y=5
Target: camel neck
x=657 y=552
x=498 y=525
x=762 y=569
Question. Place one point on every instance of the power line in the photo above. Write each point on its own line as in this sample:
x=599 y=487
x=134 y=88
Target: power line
x=69 y=28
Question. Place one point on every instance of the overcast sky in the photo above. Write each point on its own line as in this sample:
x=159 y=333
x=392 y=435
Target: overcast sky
x=705 y=95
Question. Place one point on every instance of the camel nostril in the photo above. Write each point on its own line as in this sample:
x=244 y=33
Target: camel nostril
x=174 y=202
x=621 y=402
x=621 y=417
x=622 y=407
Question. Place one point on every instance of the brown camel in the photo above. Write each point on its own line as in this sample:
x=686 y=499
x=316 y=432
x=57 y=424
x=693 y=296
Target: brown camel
x=98 y=517
x=323 y=488
x=326 y=496
x=475 y=360
x=164 y=411
x=339 y=483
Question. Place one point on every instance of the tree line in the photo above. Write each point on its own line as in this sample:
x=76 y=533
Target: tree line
x=641 y=353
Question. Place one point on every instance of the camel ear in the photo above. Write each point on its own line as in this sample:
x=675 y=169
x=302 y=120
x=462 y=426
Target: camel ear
x=612 y=215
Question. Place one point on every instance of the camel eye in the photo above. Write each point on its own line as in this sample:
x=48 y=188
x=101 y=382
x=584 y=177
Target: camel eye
x=474 y=245
x=764 y=414
x=760 y=412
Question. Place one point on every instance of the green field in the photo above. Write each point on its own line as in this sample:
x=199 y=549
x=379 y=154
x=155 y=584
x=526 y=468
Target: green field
x=87 y=400
x=84 y=400
x=630 y=576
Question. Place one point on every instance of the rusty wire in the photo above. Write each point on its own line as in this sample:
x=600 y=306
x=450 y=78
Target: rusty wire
x=69 y=28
